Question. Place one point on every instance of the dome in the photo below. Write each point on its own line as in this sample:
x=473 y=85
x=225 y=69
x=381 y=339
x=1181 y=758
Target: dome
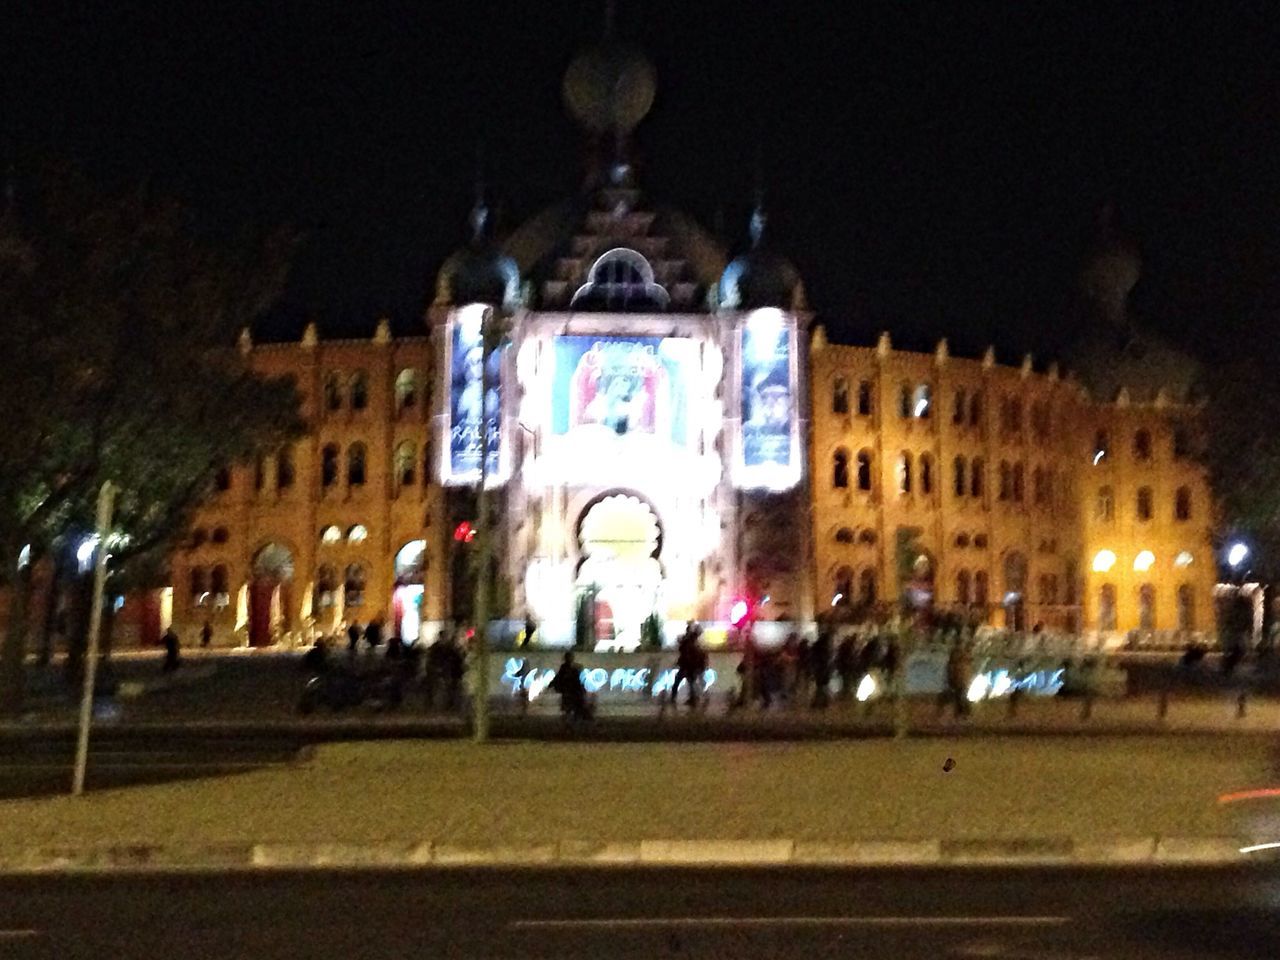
x=479 y=273
x=761 y=277
x=610 y=88
x=1112 y=270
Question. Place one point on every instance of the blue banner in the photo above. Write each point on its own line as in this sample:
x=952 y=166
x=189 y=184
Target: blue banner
x=466 y=407
x=767 y=395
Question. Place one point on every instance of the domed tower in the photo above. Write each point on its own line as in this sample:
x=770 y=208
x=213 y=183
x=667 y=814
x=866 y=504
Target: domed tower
x=1110 y=273
x=761 y=277
x=480 y=272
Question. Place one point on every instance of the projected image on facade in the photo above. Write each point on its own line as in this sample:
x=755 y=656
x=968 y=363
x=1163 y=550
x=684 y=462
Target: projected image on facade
x=768 y=455
x=467 y=406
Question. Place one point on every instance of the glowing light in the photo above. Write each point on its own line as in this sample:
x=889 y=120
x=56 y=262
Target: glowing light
x=1097 y=457
x=1183 y=559
x=867 y=688
x=1237 y=553
x=24 y=556
x=84 y=552
x=330 y=534
x=837 y=598
x=979 y=688
x=1002 y=684
x=358 y=534
x=1260 y=846
x=1264 y=793
x=1144 y=561
x=1103 y=561
x=921 y=406
x=464 y=532
x=738 y=612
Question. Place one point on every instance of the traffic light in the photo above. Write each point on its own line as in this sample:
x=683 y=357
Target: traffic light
x=739 y=612
x=464 y=532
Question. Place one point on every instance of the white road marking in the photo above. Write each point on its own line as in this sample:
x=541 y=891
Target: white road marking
x=18 y=934
x=929 y=921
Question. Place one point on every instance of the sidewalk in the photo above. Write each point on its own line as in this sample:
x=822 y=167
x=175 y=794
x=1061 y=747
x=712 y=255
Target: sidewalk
x=406 y=803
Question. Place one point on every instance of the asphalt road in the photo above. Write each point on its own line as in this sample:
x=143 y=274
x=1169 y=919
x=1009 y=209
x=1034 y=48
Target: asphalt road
x=31 y=767
x=1014 y=914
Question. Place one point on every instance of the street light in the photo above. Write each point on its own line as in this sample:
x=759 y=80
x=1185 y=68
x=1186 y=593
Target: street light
x=1237 y=554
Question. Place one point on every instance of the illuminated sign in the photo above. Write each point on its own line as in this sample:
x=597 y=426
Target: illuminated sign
x=468 y=409
x=769 y=448
x=533 y=680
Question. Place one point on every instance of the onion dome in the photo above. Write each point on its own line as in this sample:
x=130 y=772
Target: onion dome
x=761 y=277
x=480 y=272
x=1111 y=270
x=609 y=88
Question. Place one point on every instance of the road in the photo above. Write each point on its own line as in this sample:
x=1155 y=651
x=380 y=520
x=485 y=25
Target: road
x=1014 y=914
x=31 y=767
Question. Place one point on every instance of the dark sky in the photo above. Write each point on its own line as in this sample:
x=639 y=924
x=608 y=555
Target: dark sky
x=931 y=168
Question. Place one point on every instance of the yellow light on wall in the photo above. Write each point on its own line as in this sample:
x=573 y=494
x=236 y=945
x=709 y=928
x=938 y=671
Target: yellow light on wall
x=1144 y=561
x=1103 y=561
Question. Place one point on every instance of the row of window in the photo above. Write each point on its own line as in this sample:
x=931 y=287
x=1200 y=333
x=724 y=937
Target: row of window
x=1185 y=599
x=1143 y=447
x=211 y=586
x=846 y=535
x=405 y=462
x=1104 y=509
x=845 y=593
x=967 y=477
x=333 y=534
x=201 y=535
x=352 y=390
x=915 y=401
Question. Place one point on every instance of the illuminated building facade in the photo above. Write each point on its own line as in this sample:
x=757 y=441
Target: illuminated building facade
x=667 y=436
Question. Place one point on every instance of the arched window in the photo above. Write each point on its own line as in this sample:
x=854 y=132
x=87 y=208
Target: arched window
x=926 y=474
x=1107 y=607
x=844 y=535
x=406 y=390
x=1181 y=443
x=333 y=391
x=326 y=587
x=199 y=584
x=903 y=470
x=1101 y=446
x=359 y=390
x=843 y=590
x=355 y=465
x=330 y=534
x=284 y=469
x=1048 y=589
x=904 y=401
x=960 y=477
x=329 y=465
x=260 y=472
x=1145 y=506
x=353 y=585
x=220 y=535
x=980 y=591
x=840 y=396
x=358 y=533
x=1040 y=420
x=1182 y=504
x=867 y=536
x=922 y=401
x=1006 y=481
x=1104 y=507
x=1018 y=485
x=1142 y=445
x=977 y=475
x=962 y=587
x=1146 y=607
x=864 y=398
x=979 y=541
x=962 y=540
x=222 y=479
x=426 y=463
x=1186 y=607
x=975 y=410
x=864 y=470
x=840 y=470
x=406 y=463
x=219 y=581
x=199 y=536
x=1040 y=486
x=960 y=407
x=867 y=586
x=1011 y=415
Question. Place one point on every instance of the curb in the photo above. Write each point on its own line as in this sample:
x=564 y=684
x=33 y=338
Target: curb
x=133 y=858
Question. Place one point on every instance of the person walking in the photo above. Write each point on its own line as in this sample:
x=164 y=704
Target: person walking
x=172 y=654
x=568 y=684
x=845 y=665
x=373 y=634
x=206 y=634
x=353 y=638
x=820 y=669
x=959 y=666
x=687 y=661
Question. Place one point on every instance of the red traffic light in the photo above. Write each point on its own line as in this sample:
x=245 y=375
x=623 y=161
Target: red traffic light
x=464 y=532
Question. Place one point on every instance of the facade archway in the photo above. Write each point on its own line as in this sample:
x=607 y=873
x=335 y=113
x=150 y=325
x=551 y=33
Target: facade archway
x=619 y=538
x=270 y=594
x=1014 y=600
x=406 y=596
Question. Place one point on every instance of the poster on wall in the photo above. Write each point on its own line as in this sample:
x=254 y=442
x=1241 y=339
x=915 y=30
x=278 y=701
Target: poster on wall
x=768 y=454
x=615 y=388
x=468 y=409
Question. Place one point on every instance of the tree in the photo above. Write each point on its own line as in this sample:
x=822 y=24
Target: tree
x=1240 y=447
x=120 y=315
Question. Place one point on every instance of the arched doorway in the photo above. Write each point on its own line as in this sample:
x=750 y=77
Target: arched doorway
x=406 y=597
x=270 y=594
x=619 y=537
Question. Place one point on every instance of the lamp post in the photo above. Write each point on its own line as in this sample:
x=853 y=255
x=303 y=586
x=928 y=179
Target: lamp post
x=494 y=329
x=106 y=502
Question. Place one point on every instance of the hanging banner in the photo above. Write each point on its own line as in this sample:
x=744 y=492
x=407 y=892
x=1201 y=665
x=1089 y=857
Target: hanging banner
x=468 y=409
x=768 y=454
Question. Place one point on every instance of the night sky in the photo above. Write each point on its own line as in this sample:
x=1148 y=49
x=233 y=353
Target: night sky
x=931 y=168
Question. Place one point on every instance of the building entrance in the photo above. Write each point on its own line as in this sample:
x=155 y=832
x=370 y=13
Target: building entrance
x=619 y=537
